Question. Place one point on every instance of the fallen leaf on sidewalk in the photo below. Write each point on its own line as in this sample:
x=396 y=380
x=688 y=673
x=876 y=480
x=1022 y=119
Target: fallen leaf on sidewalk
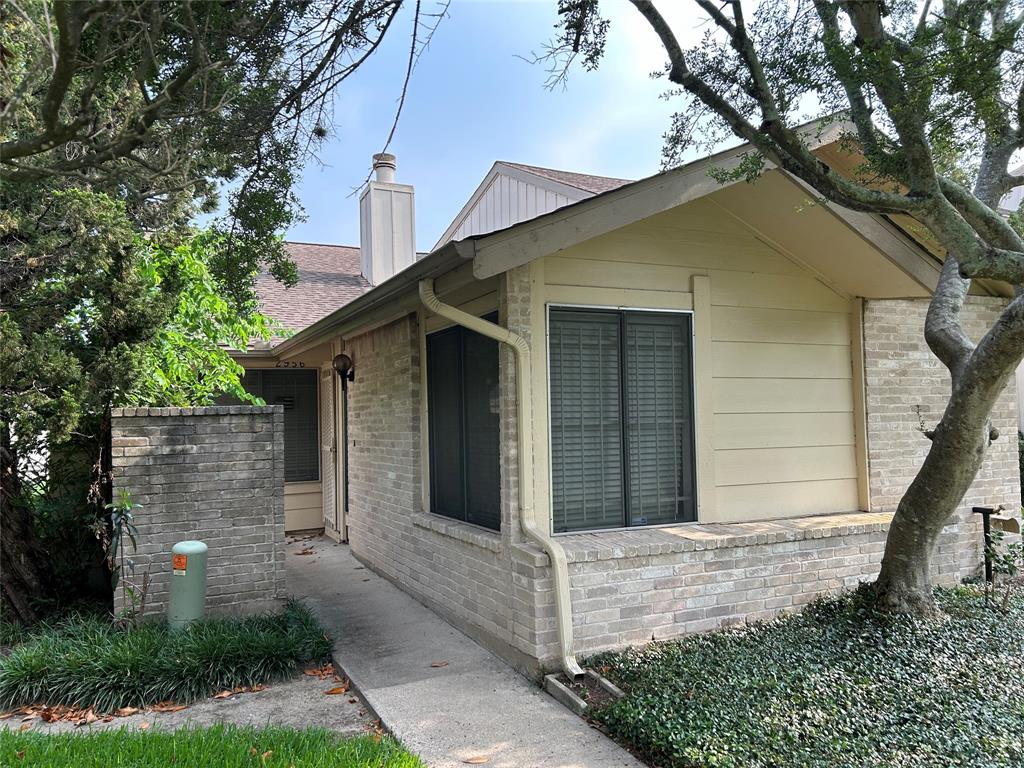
x=323 y=672
x=167 y=706
x=223 y=695
x=305 y=552
x=127 y=711
x=25 y=726
x=336 y=690
x=439 y=664
x=478 y=760
x=143 y=726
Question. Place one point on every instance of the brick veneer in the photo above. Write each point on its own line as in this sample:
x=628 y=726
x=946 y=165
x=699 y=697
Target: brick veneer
x=215 y=474
x=459 y=570
x=906 y=386
x=630 y=586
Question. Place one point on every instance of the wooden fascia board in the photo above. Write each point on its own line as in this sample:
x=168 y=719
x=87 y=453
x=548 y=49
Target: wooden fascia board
x=529 y=177
x=920 y=266
x=470 y=204
x=519 y=174
x=595 y=216
x=357 y=312
x=598 y=215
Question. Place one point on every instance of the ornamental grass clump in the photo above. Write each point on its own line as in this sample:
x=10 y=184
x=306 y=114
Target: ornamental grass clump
x=837 y=686
x=84 y=662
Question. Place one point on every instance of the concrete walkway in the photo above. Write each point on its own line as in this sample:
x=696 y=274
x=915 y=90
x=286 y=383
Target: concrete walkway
x=474 y=707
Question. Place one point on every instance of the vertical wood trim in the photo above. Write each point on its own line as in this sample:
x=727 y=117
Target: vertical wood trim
x=704 y=407
x=421 y=332
x=540 y=384
x=860 y=415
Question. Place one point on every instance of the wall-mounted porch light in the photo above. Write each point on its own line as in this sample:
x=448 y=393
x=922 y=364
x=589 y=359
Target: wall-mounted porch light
x=344 y=367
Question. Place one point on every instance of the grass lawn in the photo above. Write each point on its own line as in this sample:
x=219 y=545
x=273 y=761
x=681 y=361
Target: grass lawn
x=835 y=686
x=217 y=747
x=84 y=661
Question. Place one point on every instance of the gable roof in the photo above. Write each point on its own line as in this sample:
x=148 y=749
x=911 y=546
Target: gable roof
x=511 y=193
x=330 y=276
x=583 y=181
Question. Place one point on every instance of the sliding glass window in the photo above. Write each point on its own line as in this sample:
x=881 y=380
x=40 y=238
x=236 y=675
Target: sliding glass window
x=622 y=434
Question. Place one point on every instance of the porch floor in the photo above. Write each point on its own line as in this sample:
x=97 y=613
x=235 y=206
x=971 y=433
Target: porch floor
x=475 y=706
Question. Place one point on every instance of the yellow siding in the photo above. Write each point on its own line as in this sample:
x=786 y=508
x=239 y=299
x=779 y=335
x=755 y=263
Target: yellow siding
x=780 y=399
x=303 y=506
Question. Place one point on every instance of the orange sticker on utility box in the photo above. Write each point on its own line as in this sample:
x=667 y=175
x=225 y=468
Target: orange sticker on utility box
x=179 y=562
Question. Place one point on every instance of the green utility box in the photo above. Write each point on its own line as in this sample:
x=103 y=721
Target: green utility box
x=188 y=583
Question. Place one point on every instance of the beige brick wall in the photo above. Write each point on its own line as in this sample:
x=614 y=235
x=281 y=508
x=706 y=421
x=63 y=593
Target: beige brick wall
x=462 y=571
x=907 y=385
x=213 y=474
x=631 y=586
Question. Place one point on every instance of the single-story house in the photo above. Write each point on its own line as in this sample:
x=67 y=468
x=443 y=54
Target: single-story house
x=602 y=411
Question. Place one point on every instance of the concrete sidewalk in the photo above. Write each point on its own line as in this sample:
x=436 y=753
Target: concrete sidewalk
x=474 y=707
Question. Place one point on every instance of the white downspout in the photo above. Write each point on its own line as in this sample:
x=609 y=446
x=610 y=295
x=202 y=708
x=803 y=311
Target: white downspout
x=524 y=407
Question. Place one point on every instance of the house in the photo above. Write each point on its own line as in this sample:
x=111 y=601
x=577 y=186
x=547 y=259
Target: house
x=602 y=411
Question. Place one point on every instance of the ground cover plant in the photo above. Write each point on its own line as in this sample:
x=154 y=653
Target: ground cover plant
x=217 y=747
x=87 y=662
x=837 y=686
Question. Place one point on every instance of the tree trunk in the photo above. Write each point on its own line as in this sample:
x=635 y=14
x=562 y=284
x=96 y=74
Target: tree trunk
x=904 y=582
x=22 y=574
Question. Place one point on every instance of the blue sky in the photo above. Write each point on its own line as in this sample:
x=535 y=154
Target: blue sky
x=472 y=101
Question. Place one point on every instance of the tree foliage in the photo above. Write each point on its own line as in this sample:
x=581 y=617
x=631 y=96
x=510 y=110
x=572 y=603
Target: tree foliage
x=931 y=96
x=121 y=121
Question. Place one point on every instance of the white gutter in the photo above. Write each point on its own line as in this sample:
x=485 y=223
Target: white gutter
x=524 y=407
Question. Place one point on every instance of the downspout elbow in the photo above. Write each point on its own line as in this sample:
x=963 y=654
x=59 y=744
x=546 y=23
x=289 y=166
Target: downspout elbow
x=555 y=552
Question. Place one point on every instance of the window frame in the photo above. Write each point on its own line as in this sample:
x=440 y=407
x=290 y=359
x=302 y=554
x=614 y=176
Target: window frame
x=428 y=443
x=260 y=372
x=695 y=442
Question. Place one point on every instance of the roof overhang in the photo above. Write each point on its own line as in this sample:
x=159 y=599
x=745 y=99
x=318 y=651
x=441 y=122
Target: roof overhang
x=362 y=311
x=598 y=215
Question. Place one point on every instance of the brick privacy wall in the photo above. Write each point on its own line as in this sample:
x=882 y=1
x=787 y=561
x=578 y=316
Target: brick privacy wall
x=461 y=571
x=214 y=474
x=905 y=385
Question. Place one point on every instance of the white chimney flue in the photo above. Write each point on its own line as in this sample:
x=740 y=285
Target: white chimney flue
x=387 y=223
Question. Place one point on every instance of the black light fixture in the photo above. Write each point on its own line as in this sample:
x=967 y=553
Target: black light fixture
x=344 y=367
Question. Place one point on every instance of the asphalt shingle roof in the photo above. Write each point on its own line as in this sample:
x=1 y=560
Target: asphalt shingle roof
x=586 y=182
x=330 y=276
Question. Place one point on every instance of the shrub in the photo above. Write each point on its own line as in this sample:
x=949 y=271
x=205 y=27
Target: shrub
x=83 y=661
x=219 y=747
x=833 y=687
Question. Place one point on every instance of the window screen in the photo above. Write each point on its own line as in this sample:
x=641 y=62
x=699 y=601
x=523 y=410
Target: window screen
x=621 y=419
x=296 y=391
x=462 y=397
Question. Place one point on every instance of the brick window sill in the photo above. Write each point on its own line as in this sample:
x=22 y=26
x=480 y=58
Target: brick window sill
x=642 y=542
x=454 y=529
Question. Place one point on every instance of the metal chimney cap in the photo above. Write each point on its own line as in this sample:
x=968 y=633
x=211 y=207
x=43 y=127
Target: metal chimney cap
x=384 y=164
